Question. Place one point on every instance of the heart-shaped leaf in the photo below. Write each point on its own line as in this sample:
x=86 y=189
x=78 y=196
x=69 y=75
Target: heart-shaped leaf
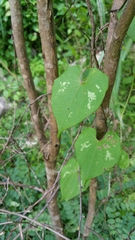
x=75 y=95
x=95 y=156
x=69 y=181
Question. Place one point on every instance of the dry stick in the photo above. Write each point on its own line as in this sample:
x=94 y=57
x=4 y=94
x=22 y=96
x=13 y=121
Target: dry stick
x=12 y=230
x=48 y=42
x=41 y=211
x=26 y=160
x=20 y=120
x=99 y=237
x=69 y=153
x=22 y=186
x=32 y=206
x=45 y=226
x=101 y=31
x=20 y=229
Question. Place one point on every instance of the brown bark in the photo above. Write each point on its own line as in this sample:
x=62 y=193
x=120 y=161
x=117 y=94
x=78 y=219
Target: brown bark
x=91 y=209
x=116 y=33
x=18 y=33
x=47 y=34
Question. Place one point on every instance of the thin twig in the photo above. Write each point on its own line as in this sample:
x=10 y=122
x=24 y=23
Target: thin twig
x=45 y=226
x=22 y=186
x=41 y=211
x=133 y=230
x=80 y=219
x=21 y=118
x=96 y=234
x=20 y=229
x=69 y=153
x=101 y=30
x=65 y=12
x=93 y=47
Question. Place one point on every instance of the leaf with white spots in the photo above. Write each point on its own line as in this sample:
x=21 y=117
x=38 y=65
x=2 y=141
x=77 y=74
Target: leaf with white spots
x=95 y=156
x=76 y=95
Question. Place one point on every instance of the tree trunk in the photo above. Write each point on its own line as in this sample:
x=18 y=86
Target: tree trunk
x=49 y=149
x=47 y=34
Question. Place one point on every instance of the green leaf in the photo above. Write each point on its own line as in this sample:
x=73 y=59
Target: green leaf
x=124 y=160
x=76 y=95
x=132 y=99
x=95 y=156
x=131 y=30
x=69 y=181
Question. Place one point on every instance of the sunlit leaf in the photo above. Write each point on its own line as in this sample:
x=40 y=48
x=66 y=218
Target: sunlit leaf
x=76 y=95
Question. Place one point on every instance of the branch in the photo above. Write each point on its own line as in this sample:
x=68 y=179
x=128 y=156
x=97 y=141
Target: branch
x=22 y=186
x=116 y=33
x=91 y=208
x=118 y=5
x=45 y=226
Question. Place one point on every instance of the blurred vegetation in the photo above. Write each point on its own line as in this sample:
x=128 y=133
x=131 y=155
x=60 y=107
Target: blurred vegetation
x=21 y=161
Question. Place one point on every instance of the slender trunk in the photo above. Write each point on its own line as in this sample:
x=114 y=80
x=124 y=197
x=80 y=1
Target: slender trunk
x=116 y=33
x=91 y=208
x=47 y=34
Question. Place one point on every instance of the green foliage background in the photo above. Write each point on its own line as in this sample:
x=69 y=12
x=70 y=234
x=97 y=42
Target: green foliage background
x=115 y=217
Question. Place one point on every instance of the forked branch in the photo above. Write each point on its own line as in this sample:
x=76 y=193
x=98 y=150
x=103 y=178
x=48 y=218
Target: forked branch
x=116 y=33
